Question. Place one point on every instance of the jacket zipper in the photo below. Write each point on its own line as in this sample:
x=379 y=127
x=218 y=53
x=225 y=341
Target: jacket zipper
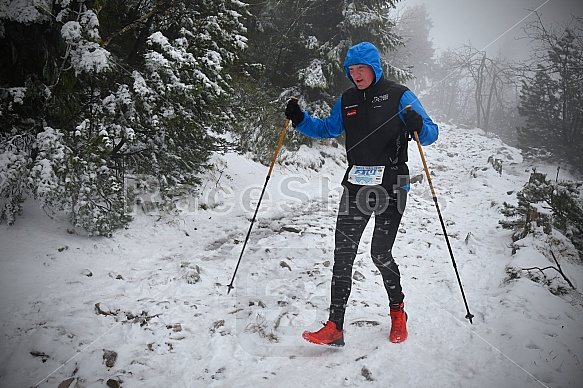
x=367 y=115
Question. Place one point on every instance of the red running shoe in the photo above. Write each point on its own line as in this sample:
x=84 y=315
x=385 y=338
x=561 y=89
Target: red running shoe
x=398 y=324
x=328 y=335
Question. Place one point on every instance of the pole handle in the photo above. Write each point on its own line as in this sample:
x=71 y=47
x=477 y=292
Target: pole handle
x=416 y=135
x=280 y=141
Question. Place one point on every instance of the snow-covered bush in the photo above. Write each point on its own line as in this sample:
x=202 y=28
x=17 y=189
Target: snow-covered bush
x=47 y=168
x=544 y=205
x=12 y=168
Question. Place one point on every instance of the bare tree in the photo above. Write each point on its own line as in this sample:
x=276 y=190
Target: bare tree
x=471 y=88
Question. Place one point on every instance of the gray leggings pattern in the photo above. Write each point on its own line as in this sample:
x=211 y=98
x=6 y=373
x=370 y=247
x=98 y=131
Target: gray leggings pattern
x=354 y=213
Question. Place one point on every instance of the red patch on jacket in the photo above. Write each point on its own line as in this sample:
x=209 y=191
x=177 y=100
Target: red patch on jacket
x=351 y=112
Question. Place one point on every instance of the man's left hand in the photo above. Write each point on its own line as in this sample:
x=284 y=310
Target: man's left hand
x=414 y=122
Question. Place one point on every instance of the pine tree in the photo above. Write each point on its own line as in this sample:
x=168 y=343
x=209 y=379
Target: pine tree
x=417 y=52
x=296 y=48
x=543 y=205
x=99 y=91
x=551 y=99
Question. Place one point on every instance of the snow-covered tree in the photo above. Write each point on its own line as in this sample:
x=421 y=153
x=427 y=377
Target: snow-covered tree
x=92 y=92
x=543 y=205
x=296 y=48
x=301 y=44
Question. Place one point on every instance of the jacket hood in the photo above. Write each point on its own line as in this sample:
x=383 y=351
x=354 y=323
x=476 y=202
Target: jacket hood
x=365 y=53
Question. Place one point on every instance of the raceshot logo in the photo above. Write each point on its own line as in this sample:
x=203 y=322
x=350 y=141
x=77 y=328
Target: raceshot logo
x=290 y=193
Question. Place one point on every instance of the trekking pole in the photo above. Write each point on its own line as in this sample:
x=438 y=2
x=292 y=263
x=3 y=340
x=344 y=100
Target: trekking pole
x=280 y=141
x=468 y=315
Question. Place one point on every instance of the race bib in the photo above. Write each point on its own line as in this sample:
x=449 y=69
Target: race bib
x=366 y=175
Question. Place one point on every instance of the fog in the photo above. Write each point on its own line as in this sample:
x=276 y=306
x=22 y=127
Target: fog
x=495 y=26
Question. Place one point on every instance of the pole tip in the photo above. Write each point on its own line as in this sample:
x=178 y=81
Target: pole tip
x=469 y=317
x=230 y=287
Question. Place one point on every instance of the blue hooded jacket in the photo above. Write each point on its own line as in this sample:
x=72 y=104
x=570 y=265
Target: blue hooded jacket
x=332 y=126
x=364 y=53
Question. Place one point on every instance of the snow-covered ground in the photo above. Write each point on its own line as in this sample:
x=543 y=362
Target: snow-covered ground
x=149 y=306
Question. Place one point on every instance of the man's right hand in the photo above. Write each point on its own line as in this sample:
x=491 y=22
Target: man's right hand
x=293 y=112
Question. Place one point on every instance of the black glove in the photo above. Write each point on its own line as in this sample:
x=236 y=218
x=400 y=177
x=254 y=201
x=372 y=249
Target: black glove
x=414 y=122
x=294 y=113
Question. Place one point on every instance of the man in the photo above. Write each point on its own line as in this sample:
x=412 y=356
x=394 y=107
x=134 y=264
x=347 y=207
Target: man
x=377 y=126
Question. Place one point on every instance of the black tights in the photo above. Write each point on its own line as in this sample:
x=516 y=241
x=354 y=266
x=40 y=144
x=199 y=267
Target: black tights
x=353 y=215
